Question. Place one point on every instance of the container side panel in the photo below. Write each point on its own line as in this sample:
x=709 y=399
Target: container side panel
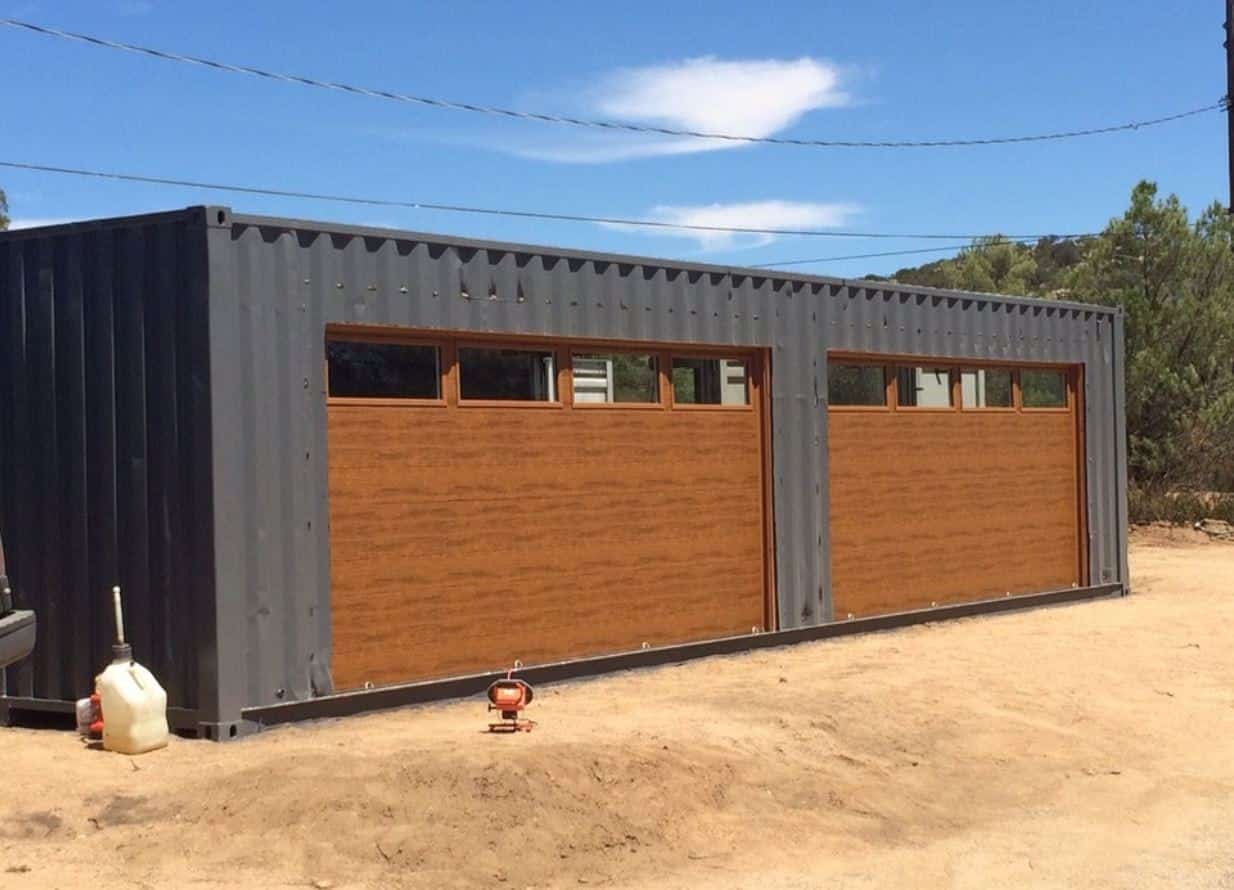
x=131 y=439
x=8 y=363
x=1119 y=476
x=18 y=483
x=71 y=427
x=268 y=385
x=44 y=465
x=103 y=448
x=101 y=464
x=798 y=428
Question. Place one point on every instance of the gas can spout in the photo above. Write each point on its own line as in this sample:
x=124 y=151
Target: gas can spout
x=121 y=651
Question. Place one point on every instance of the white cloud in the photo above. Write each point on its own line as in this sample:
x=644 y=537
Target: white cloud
x=754 y=97
x=751 y=98
x=752 y=214
x=593 y=148
x=36 y=222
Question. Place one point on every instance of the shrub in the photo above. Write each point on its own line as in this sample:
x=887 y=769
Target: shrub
x=1177 y=507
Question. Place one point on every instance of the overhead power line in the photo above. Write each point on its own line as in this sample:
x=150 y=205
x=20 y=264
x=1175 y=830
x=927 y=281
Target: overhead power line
x=884 y=253
x=861 y=256
x=487 y=211
x=866 y=256
x=593 y=123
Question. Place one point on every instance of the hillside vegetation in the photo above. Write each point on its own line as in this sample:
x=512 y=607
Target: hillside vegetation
x=1173 y=276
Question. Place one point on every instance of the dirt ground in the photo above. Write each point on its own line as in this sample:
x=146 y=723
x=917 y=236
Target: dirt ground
x=1081 y=746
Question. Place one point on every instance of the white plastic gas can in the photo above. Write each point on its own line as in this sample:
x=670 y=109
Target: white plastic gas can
x=133 y=703
x=134 y=709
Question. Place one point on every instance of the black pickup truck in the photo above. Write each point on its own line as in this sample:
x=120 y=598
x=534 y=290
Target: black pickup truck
x=16 y=626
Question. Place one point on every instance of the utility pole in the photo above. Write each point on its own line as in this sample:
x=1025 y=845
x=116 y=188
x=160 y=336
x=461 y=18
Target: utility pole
x=1229 y=94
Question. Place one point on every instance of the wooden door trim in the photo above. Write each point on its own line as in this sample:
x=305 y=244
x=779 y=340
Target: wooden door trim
x=760 y=387
x=1076 y=381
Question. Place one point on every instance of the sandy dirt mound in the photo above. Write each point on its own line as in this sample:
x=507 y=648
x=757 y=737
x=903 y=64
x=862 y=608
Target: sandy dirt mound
x=1081 y=746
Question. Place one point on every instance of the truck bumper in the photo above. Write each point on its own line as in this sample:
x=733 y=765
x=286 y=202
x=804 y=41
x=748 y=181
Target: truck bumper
x=17 y=631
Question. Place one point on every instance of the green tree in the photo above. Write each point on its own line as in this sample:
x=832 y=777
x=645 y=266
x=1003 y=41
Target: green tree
x=996 y=265
x=1175 y=282
x=1054 y=256
x=4 y=211
x=993 y=265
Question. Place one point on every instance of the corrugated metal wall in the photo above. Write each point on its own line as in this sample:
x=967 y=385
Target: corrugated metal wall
x=276 y=284
x=162 y=385
x=104 y=438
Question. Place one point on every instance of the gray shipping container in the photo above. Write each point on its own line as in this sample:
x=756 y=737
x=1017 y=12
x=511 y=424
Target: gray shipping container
x=163 y=427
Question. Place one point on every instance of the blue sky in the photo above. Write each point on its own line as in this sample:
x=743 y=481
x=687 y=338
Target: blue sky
x=870 y=70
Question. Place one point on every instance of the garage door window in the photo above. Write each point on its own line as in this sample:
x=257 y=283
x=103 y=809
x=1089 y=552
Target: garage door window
x=1043 y=389
x=986 y=388
x=856 y=385
x=358 y=369
x=923 y=386
x=506 y=375
x=709 y=381
x=615 y=378
x=857 y=382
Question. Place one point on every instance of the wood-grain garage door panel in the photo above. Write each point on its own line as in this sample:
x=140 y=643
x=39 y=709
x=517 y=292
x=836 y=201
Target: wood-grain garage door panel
x=464 y=538
x=950 y=507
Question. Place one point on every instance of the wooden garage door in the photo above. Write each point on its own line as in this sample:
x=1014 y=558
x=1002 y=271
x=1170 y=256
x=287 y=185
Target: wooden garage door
x=951 y=484
x=502 y=501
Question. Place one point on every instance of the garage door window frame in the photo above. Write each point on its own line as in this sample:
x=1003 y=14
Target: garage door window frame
x=561 y=376
x=576 y=348
x=953 y=385
x=990 y=409
x=889 y=391
x=352 y=335
x=1069 y=389
x=892 y=363
x=563 y=350
x=746 y=358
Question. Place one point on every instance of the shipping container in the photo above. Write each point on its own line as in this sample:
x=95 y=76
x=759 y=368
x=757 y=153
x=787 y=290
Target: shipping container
x=337 y=468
